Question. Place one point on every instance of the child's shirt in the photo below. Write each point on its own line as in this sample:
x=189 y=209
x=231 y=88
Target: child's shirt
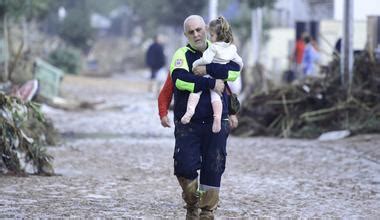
x=219 y=52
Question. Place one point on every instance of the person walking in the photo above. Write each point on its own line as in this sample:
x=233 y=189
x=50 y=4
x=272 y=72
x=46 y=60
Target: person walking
x=196 y=146
x=155 y=58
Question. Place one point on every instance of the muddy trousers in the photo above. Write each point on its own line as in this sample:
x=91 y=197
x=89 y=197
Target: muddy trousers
x=198 y=148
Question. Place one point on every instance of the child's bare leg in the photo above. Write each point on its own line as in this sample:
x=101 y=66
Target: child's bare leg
x=217 y=107
x=192 y=102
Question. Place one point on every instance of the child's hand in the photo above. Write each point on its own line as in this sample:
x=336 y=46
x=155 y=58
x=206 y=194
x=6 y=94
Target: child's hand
x=199 y=70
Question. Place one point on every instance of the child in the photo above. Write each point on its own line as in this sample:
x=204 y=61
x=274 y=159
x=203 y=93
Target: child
x=220 y=51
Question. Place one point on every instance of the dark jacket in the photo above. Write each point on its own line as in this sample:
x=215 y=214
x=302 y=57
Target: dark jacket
x=155 y=57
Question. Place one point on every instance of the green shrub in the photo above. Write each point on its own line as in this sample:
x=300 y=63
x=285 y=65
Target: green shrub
x=76 y=28
x=67 y=59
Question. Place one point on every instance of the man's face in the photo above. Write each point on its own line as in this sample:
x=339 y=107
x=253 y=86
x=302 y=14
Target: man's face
x=195 y=31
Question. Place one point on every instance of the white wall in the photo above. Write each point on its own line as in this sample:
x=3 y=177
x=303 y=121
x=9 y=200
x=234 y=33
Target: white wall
x=362 y=9
x=301 y=10
x=331 y=31
x=275 y=54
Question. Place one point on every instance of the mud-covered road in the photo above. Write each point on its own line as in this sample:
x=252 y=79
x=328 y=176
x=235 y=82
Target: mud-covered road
x=116 y=161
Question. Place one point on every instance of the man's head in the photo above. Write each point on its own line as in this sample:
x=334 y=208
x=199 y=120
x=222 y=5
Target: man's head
x=158 y=38
x=307 y=39
x=194 y=28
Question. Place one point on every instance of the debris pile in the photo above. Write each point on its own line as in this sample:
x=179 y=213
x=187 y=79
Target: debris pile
x=314 y=106
x=23 y=134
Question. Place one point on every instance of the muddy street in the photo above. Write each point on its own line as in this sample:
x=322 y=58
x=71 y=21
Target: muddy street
x=116 y=161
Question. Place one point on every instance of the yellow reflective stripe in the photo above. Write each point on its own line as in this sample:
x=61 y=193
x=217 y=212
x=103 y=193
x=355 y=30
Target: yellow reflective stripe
x=179 y=60
x=233 y=75
x=183 y=85
x=191 y=49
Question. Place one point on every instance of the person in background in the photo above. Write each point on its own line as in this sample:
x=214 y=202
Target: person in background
x=338 y=47
x=155 y=58
x=310 y=57
x=298 y=52
x=298 y=55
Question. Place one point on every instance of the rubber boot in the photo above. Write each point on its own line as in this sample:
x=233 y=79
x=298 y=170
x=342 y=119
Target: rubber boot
x=208 y=203
x=189 y=195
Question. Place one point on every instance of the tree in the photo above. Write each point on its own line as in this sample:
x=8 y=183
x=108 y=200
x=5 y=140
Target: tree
x=253 y=4
x=256 y=24
x=256 y=32
x=27 y=8
x=171 y=13
x=76 y=28
x=13 y=10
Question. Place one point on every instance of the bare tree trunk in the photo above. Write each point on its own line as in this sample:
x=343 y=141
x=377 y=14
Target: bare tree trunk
x=250 y=75
x=25 y=34
x=212 y=9
x=347 y=55
x=4 y=75
x=256 y=29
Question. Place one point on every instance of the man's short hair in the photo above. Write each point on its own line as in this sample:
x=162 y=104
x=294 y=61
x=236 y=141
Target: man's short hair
x=193 y=17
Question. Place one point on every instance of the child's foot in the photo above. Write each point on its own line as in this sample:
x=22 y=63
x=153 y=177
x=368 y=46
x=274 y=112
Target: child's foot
x=216 y=125
x=186 y=118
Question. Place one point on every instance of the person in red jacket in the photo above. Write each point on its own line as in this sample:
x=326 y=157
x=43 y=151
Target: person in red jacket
x=164 y=99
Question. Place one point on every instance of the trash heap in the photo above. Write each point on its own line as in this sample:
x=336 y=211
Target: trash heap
x=23 y=132
x=317 y=105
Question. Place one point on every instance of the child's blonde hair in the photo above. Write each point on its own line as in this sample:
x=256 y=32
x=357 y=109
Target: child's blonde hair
x=222 y=29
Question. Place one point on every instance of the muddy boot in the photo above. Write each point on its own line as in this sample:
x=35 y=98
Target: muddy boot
x=190 y=188
x=208 y=203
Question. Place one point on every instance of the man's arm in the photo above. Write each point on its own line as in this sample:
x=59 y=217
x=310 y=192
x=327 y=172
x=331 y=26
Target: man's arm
x=165 y=97
x=229 y=71
x=183 y=79
x=233 y=120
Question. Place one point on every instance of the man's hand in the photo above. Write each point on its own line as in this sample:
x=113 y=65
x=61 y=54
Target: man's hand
x=219 y=86
x=233 y=120
x=165 y=122
x=200 y=70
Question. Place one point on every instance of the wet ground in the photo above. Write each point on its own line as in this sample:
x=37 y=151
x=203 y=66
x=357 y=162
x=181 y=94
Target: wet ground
x=116 y=161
